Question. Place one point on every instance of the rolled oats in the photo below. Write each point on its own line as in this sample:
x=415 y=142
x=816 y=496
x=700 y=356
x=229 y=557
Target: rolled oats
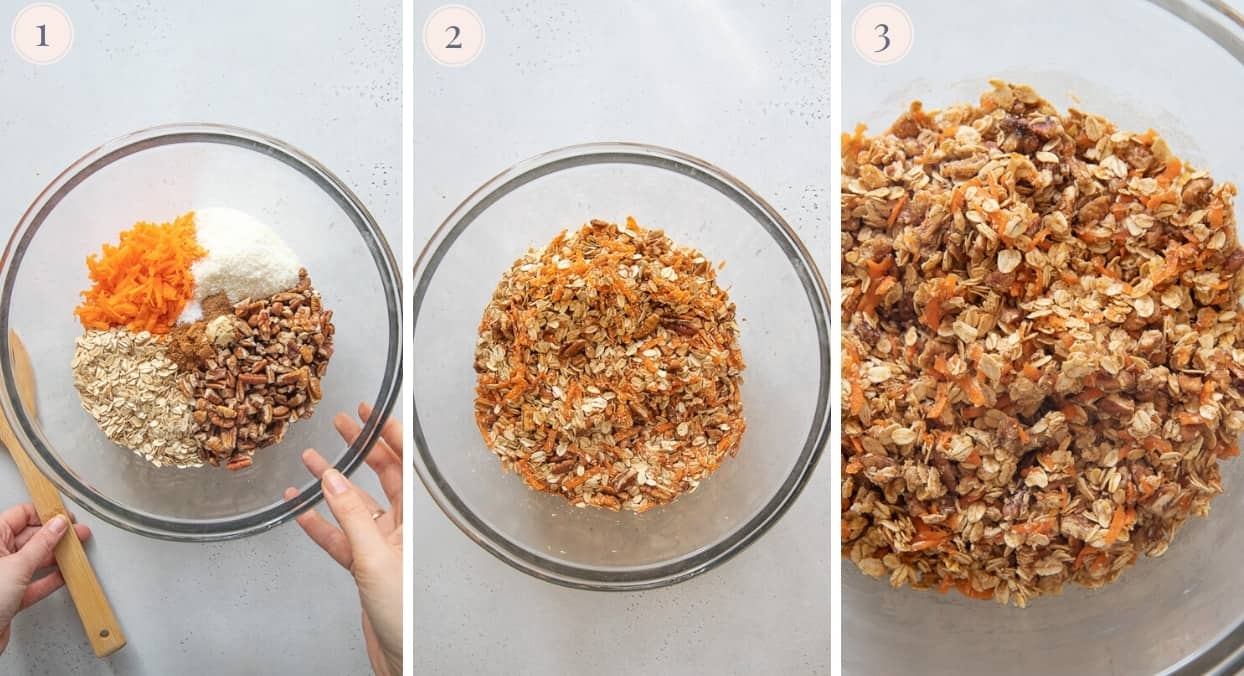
x=127 y=383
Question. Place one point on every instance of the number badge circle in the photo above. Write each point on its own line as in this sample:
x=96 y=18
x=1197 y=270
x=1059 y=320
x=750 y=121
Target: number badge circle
x=882 y=33
x=453 y=35
x=42 y=33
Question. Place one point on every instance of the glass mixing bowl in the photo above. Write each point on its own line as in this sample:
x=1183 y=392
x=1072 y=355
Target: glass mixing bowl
x=157 y=174
x=784 y=335
x=1170 y=65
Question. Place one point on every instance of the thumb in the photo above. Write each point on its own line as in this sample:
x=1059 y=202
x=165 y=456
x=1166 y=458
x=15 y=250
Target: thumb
x=40 y=546
x=351 y=511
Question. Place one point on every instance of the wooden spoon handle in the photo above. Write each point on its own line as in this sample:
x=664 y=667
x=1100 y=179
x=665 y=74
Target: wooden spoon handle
x=102 y=628
x=98 y=619
x=100 y=623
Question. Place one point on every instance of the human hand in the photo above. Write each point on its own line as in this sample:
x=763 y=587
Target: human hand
x=25 y=548
x=369 y=542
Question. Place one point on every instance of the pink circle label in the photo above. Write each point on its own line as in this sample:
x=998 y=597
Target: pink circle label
x=882 y=33
x=42 y=33
x=453 y=35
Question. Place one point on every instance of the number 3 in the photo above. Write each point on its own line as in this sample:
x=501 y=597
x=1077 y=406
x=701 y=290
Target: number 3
x=453 y=42
x=884 y=35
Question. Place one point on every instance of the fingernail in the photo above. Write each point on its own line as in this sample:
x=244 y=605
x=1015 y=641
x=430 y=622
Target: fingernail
x=58 y=524
x=336 y=482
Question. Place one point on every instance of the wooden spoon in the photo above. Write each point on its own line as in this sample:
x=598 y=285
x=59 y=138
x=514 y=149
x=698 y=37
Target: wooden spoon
x=102 y=628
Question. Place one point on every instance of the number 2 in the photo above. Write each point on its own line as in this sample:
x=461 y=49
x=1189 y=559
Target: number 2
x=884 y=35
x=43 y=35
x=453 y=42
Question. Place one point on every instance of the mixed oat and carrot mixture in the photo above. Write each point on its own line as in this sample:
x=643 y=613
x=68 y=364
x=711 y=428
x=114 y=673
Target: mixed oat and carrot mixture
x=203 y=341
x=1044 y=354
x=609 y=368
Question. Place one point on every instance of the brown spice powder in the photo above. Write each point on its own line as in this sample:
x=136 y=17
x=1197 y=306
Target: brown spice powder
x=215 y=306
x=188 y=346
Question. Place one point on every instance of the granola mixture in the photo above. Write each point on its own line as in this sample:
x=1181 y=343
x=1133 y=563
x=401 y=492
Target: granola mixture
x=189 y=357
x=609 y=368
x=1044 y=354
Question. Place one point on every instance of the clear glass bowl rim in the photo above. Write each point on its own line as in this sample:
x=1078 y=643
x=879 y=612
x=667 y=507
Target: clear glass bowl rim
x=37 y=446
x=814 y=287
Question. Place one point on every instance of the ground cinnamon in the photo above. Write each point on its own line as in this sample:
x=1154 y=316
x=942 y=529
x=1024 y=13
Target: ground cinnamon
x=188 y=346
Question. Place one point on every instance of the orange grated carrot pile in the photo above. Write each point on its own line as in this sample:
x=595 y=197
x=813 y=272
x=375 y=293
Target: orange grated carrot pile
x=144 y=282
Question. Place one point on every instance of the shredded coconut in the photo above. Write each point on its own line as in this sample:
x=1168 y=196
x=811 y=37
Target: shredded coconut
x=245 y=258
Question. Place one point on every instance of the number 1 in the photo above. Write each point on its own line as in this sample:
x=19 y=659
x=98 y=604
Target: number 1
x=43 y=35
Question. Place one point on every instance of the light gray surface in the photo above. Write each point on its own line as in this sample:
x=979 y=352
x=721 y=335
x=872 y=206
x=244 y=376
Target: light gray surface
x=742 y=85
x=327 y=81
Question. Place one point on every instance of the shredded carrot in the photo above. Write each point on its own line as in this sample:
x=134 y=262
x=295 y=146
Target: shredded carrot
x=850 y=142
x=877 y=269
x=967 y=590
x=1160 y=198
x=857 y=399
x=971 y=412
x=942 y=291
x=878 y=286
x=939 y=404
x=898 y=207
x=972 y=389
x=1186 y=418
x=1044 y=526
x=144 y=282
x=927 y=537
x=1117 y=524
x=1173 y=168
x=1215 y=216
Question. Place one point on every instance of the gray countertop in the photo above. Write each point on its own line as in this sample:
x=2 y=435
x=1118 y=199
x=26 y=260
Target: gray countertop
x=327 y=81
x=742 y=85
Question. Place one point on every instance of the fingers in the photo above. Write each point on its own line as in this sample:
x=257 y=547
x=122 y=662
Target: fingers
x=42 y=588
x=317 y=465
x=391 y=432
x=350 y=507
x=20 y=516
x=383 y=462
x=83 y=532
x=327 y=536
x=39 y=547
